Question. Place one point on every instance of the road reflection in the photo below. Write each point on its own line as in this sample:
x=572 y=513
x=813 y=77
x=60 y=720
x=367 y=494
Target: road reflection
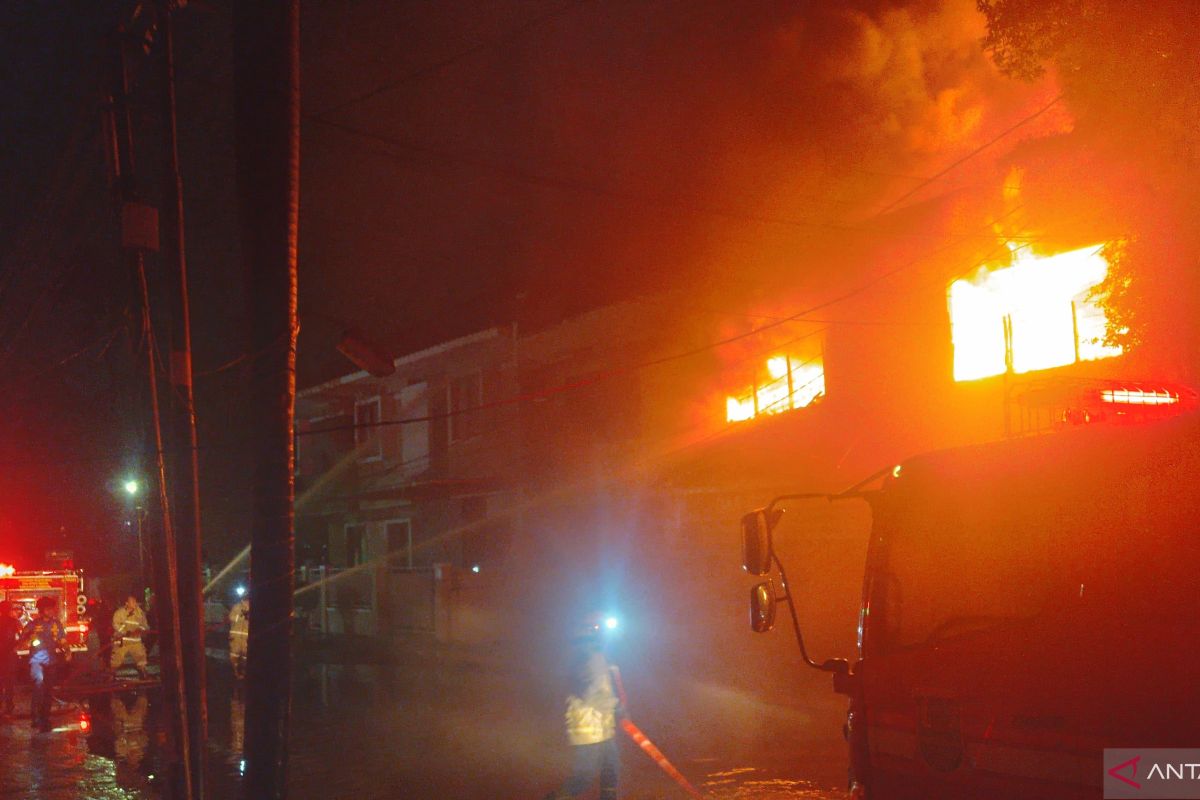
x=373 y=731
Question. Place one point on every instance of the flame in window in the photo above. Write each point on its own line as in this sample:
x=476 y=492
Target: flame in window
x=1035 y=314
x=789 y=383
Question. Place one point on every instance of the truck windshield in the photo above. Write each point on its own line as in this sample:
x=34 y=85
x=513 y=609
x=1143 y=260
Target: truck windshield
x=956 y=563
x=965 y=552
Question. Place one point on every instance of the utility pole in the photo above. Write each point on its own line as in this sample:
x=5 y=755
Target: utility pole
x=266 y=54
x=185 y=472
x=139 y=235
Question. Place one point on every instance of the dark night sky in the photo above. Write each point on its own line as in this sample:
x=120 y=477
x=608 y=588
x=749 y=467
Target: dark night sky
x=464 y=164
x=579 y=151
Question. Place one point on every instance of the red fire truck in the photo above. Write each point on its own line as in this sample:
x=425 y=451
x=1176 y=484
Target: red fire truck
x=1025 y=605
x=65 y=586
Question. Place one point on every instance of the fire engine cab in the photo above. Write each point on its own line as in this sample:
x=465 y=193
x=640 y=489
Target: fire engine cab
x=65 y=586
x=1025 y=605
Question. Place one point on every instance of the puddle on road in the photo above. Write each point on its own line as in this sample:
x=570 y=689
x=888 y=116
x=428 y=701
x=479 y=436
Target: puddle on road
x=103 y=749
x=117 y=752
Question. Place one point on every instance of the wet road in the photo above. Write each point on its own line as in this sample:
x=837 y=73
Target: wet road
x=430 y=725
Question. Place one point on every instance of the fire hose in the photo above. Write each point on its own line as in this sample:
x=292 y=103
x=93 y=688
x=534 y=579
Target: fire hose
x=647 y=746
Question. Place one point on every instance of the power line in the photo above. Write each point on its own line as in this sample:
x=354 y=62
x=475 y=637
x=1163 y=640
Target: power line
x=672 y=204
x=619 y=371
x=967 y=157
x=436 y=66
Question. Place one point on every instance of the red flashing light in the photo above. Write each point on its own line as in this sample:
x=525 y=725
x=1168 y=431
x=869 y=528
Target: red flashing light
x=84 y=724
x=1139 y=397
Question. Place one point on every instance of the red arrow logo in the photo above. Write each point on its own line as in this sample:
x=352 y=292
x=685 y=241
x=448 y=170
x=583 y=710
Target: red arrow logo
x=1132 y=764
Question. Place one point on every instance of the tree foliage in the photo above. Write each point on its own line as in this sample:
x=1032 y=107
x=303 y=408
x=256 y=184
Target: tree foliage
x=1130 y=72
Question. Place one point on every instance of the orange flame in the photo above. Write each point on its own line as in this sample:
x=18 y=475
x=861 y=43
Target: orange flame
x=1036 y=314
x=790 y=384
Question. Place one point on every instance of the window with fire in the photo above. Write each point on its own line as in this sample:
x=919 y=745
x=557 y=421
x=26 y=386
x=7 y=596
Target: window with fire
x=1038 y=313
x=787 y=383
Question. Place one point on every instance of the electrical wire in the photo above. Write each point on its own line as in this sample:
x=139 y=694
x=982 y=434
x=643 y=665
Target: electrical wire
x=445 y=62
x=615 y=372
x=1024 y=121
x=672 y=204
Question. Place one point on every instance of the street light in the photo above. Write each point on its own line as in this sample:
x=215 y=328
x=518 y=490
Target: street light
x=133 y=488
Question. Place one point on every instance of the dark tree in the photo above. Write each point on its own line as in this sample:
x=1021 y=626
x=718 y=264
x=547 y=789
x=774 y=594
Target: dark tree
x=1130 y=72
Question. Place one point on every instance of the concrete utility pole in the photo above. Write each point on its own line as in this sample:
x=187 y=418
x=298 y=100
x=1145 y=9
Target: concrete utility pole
x=185 y=467
x=266 y=53
x=139 y=235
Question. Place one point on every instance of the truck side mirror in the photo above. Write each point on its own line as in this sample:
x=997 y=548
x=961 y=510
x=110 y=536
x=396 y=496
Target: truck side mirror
x=762 y=607
x=756 y=541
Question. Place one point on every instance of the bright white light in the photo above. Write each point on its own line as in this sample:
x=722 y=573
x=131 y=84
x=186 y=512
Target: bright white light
x=610 y=623
x=242 y=767
x=240 y=591
x=132 y=487
x=475 y=568
x=1138 y=397
x=1042 y=305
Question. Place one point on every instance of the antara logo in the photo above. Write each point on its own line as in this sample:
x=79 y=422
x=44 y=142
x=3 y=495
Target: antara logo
x=1131 y=764
x=1172 y=773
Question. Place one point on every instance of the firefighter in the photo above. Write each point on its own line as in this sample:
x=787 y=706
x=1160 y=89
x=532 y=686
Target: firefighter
x=10 y=632
x=47 y=641
x=239 y=636
x=129 y=622
x=592 y=709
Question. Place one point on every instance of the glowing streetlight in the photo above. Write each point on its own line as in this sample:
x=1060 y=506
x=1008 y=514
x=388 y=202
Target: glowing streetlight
x=133 y=488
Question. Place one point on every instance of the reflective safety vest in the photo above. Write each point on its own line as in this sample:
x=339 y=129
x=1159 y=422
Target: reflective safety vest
x=128 y=625
x=239 y=621
x=592 y=719
x=45 y=636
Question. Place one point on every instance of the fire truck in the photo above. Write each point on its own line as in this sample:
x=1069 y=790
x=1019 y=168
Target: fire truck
x=1026 y=604
x=64 y=585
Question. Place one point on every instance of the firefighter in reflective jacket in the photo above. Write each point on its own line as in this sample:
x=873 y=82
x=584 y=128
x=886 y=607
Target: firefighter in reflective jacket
x=47 y=642
x=592 y=708
x=129 y=621
x=239 y=636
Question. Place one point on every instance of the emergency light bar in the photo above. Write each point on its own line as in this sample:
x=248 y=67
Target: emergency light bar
x=1138 y=397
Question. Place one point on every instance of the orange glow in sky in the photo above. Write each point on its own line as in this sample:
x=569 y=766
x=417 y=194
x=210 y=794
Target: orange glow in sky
x=1033 y=299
